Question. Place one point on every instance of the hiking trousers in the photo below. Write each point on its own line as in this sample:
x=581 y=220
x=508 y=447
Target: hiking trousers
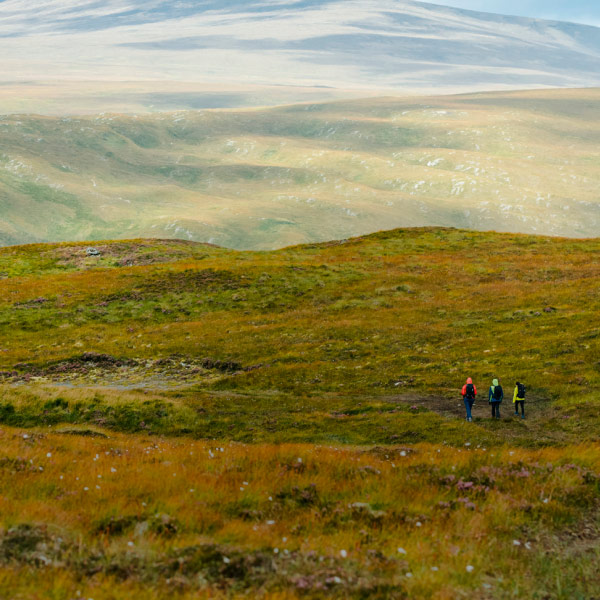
x=469 y=405
x=496 y=410
x=522 y=403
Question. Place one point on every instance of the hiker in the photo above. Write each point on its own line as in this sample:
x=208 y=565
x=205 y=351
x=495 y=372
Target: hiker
x=469 y=392
x=519 y=398
x=495 y=397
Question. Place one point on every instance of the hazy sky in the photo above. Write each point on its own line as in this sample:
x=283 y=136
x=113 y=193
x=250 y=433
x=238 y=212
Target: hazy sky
x=580 y=11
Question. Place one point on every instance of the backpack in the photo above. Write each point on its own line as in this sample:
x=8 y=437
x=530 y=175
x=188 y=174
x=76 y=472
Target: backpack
x=520 y=390
x=498 y=393
x=470 y=391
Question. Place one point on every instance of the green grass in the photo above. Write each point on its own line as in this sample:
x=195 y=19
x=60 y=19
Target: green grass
x=399 y=317
x=181 y=419
x=243 y=417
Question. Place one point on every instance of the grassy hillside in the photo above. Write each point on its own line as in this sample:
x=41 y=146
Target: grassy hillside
x=184 y=419
x=260 y=179
x=403 y=311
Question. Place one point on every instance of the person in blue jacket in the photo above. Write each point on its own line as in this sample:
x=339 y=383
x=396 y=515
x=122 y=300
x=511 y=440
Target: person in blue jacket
x=495 y=397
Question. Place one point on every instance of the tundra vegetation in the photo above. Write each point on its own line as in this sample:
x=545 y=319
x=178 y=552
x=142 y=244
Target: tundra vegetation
x=260 y=179
x=179 y=419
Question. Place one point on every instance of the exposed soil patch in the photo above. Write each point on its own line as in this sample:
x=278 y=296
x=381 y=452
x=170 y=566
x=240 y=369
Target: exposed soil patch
x=35 y=303
x=104 y=369
x=82 y=432
x=583 y=537
x=126 y=254
x=573 y=545
x=455 y=407
x=438 y=404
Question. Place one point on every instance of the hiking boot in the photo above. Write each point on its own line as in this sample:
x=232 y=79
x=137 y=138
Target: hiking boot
x=471 y=420
x=523 y=417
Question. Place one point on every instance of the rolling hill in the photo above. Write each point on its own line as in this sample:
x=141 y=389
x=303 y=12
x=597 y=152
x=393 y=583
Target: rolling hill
x=181 y=418
x=409 y=310
x=243 y=392
x=258 y=179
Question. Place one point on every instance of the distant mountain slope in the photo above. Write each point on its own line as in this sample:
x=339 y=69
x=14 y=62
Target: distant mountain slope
x=388 y=44
x=521 y=162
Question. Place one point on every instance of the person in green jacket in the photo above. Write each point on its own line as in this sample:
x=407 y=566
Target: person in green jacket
x=519 y=398
x=495 y=397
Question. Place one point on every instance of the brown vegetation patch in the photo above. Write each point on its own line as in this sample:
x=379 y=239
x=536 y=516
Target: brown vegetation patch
x=105 y=369
x=124 y=254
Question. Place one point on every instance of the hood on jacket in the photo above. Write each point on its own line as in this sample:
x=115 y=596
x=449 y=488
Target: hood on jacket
x=469 y=380
x=495 y=383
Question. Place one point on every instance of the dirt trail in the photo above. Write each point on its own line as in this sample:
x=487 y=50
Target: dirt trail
x=438 y=404
x=545 y=422
x=534 y=406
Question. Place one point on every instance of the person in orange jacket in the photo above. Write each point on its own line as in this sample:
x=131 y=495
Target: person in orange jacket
x=469 y=392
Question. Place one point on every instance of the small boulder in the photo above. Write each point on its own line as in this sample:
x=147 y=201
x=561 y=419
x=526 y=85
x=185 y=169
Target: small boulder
x=93 y=251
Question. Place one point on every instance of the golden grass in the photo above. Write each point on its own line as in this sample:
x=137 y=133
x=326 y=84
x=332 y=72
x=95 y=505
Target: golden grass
x=447 y=508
